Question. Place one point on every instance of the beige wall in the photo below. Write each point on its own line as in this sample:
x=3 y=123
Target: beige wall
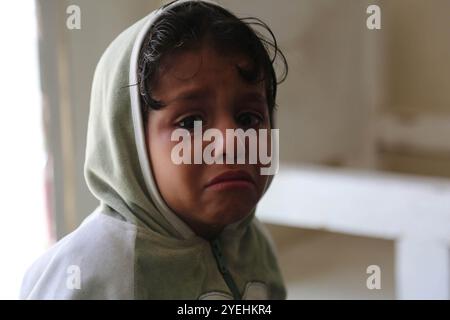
x=418 y=51
x=417 y=80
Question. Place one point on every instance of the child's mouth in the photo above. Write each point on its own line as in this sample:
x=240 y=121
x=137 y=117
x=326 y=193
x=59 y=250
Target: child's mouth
x=231 y=179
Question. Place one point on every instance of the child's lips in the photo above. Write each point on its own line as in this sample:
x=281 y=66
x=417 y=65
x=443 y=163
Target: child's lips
x=232 y=179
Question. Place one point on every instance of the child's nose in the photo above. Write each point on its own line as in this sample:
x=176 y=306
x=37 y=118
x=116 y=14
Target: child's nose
x=232 y=146
x=226 y=123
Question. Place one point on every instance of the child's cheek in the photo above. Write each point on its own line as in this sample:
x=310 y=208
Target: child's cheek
x=166 y=144
x=187 y=172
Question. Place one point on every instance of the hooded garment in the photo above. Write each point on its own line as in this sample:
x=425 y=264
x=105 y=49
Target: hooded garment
x=133 y=246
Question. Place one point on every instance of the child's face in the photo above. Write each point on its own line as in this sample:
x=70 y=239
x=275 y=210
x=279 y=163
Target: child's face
x=221 y=99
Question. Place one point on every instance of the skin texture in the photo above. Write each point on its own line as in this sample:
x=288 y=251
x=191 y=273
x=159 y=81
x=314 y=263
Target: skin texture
x=224 y=100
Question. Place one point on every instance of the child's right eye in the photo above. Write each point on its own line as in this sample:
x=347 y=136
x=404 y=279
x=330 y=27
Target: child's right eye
x=188 y=122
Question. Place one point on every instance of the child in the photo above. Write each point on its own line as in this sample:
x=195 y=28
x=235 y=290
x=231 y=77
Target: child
x=165 y=230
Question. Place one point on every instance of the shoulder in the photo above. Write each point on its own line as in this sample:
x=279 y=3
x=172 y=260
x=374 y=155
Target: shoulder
x=96 y=261
x=263 y=234
x=268 y=248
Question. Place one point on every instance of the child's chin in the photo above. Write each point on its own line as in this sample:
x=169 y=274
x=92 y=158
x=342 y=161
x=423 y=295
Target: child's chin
x=229 y=213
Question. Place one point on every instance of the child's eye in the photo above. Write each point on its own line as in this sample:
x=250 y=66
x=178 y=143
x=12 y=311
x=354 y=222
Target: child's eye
x=249 y=120
x=188 y=122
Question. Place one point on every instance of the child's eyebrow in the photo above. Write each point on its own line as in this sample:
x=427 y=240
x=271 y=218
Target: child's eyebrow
x=194 y=95
x=252 y=97
x=204 y=94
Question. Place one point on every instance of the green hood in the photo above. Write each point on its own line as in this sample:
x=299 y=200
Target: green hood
x=143 y=249
x=117 y=168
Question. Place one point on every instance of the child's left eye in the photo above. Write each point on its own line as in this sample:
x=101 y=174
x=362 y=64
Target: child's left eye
x=249 y=120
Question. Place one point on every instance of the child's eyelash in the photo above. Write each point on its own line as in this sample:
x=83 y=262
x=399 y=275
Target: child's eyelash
x=188 y=121
x=256 y=115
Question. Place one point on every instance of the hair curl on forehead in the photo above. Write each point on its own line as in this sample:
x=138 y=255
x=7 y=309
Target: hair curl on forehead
x=192 y=23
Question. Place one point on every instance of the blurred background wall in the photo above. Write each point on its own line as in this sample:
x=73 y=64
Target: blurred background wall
x=355 y=98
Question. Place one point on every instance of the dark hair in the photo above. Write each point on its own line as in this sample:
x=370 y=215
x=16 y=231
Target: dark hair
x=188 y=24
